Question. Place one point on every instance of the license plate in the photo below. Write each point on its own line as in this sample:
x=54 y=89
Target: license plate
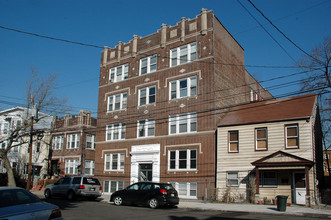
x=92 y=189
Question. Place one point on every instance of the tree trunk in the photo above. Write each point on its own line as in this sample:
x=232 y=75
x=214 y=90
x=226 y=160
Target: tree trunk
x=10 y=173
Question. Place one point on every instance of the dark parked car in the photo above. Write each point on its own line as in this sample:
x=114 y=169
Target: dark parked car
x=18 y=203
x=147 y=193
x=75 y=186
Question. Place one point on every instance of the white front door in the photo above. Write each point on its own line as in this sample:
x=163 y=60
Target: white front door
x=299 y=180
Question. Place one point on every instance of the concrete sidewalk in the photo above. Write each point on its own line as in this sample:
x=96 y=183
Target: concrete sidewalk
x=252 y=208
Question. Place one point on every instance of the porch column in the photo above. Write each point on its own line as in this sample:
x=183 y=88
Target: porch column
x=257 y=180
x=307 y=180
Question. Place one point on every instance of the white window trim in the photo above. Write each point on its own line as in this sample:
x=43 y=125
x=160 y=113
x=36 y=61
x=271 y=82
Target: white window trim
x=297 y=136
x=227 y=178
x=124 y=74
x=148 y=64
x=189 y=86
x=92 y=137
x=149 y=123
x=58 y=141
x=147 y=95
x=176 y=119
x=123 y=99
x=188 y=160
x=229 y=142
x=121 y=130
x=91 y=165
x=71 y=163
x=189 y=185
x=69 y=140
x=109 y=158
x=262 y=139
x=189 y=52
x=109 y=186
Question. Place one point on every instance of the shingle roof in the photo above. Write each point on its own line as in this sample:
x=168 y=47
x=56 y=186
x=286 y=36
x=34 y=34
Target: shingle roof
x=298 y=107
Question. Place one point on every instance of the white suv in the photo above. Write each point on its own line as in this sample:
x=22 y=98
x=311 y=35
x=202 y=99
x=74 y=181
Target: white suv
x=75 y=186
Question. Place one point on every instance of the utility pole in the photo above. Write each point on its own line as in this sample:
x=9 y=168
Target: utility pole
x=30 y=150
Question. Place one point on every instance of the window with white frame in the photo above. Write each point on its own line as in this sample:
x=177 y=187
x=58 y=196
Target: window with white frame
x=3 y=145
x=90 y=141
x=233 y=141
x=147 y=95
x=71 y=166
x=183 y=54
x=5 y=128
x=117 y=102
x=186 y=189
x=232 y=178
x=57 y=142
x=261 y=138
x=89 y=167
x=111 y=186
x=114 y=162
x=73 y=141
x=146 y=128
x=183 y=159
x=292 y=136
x=183 y=88
x=267 y=179
x=183 y=123
x=115 y=131
x=148 y=65
x=119 y=73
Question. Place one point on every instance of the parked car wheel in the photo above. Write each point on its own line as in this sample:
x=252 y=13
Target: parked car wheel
x=153 y=203
x=118 y=200
x=47 y=194
x=71 y=195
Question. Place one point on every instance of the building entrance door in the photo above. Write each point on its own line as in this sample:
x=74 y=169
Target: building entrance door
x=299 y=180
x=145 y=172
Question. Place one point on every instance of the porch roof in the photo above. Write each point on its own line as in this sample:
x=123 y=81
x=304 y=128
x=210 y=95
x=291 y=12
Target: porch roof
x=282 y=159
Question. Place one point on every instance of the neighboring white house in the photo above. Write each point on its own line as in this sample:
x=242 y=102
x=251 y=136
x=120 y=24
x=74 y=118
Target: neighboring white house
x=273 y=147
x=19 y=156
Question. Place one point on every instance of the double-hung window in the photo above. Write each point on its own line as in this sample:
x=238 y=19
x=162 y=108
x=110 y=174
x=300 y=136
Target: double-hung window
x=73 y=141
x=183 y=88
x=183 y=54
x=111 y=186
x=114 y=162
x=233 y=138
x=261 y=138
x=185 y=159
x=89 y=167
x=90 y=141
x=292 y=136
x=148 y=64
x=146 y=128
x=183 y=123
x=147 y=95
x=57 y=142
x=71 y=166
x=232 y=178
x=117 y=102
x=115 y=131
x=186 y=189
x=119 y=73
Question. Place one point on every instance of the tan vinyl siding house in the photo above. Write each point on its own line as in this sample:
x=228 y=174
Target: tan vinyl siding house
x=276 y=151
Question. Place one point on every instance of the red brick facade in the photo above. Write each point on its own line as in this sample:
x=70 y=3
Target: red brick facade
x=81 y=127
x=222 y=81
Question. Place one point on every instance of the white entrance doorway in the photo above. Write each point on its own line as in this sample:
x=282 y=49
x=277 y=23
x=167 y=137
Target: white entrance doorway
x=145 y=163
x=299 y=189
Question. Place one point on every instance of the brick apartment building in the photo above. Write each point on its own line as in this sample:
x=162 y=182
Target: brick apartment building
x=73 y=145
x=160 y=99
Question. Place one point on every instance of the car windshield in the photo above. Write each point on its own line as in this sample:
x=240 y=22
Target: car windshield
x=91 y=181
x=12 y=197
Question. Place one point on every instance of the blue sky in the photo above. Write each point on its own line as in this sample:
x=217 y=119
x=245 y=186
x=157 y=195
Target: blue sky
x=105 y=23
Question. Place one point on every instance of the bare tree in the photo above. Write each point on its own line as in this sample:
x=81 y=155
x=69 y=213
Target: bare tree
x=318 y=80
x=41 y=96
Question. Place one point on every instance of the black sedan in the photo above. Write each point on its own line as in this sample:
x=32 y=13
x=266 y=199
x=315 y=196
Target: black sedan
x=147 y=193
x=18 y=203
